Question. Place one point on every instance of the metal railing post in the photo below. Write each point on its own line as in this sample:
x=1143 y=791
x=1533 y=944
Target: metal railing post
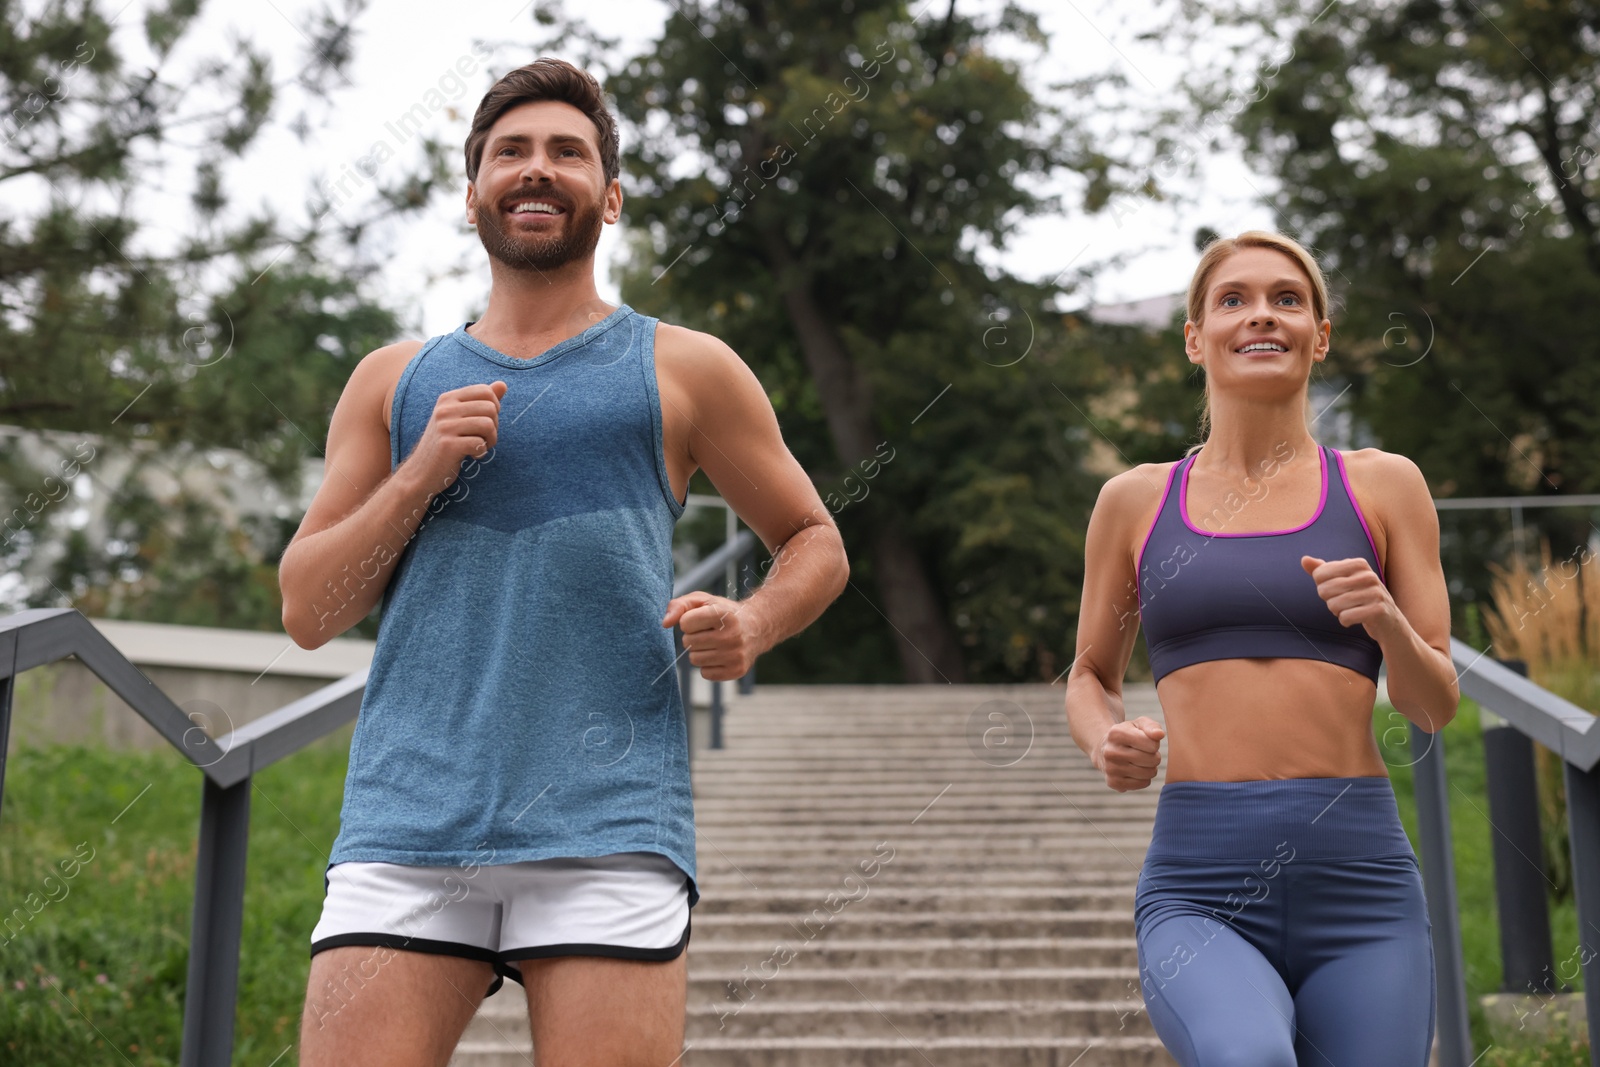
x=212 y=990
x=1583 y=826
x=711 y=573
x=1521 y=896
x=747 y=582
x=6 y=686
x=725 y=588
x=685 y=687
x=1439 y=883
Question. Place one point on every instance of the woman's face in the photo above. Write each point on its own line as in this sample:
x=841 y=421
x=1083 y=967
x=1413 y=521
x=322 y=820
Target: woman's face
x=1258 y=335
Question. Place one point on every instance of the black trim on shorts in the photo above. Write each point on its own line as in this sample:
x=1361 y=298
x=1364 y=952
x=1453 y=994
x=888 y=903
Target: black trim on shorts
x=419 y=944
x=615 y=952
x=501 y=961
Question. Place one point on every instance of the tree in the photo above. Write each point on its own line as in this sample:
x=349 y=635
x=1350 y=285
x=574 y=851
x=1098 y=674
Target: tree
x=1440 y=155
x=241 y=332
x=816 y=184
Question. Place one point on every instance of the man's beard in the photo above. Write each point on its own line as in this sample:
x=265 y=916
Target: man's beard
x=579 y=236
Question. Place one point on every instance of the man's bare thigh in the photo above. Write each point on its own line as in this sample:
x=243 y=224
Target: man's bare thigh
x=588 y=1011
x=385 y=1006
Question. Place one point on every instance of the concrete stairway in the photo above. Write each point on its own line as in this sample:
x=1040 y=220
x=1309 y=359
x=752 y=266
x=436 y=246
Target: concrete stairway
x=903 y=876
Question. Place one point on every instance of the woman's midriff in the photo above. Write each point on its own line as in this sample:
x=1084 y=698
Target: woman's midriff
x=1246 y=719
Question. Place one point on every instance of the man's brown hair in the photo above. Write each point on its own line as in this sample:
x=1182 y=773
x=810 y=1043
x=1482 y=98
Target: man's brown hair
x=546 y=79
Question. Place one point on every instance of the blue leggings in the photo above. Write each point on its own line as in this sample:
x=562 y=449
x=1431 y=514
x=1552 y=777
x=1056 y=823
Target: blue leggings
x=1282 y=924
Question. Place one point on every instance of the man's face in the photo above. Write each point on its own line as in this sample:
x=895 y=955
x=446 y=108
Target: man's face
x=541 y=195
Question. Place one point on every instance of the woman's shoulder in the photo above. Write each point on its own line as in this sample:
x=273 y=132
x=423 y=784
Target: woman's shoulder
x=1137 y=486
x=1383 y=473
x=1391 y=493
x=1129 y=501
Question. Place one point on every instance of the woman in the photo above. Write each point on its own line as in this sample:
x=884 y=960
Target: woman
x=1279 y=913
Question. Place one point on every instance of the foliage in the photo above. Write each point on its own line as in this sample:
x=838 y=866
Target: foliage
x=239 y=331
x=819 y=186
x=1440 y=156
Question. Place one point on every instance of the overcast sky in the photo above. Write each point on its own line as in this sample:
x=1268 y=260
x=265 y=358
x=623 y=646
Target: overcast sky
x=402 y=53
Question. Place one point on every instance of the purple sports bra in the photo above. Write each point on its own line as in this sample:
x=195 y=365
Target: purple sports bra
x=1208 y=596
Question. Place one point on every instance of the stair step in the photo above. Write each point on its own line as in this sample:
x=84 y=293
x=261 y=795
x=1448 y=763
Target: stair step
x=938 y=983
x=975 y=952
x=820 y=925
x=947 y=1052
x=1001 y=900
x=895 y=1052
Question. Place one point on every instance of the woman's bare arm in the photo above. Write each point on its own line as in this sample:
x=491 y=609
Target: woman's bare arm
x=1129 y=754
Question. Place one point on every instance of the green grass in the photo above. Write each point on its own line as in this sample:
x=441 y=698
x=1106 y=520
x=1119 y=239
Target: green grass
x=104 y=964
x=1474 y=862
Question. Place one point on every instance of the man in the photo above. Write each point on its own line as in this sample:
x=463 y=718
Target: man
x=518 y=798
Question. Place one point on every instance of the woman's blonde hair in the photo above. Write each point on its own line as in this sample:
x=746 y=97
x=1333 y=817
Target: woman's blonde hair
x=1212 y=258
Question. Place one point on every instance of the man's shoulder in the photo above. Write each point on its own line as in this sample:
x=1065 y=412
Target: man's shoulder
x=691 y=350
x=375 y=377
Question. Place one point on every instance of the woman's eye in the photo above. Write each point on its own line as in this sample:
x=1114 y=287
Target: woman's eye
x=1291 y=298
x=1230 y=301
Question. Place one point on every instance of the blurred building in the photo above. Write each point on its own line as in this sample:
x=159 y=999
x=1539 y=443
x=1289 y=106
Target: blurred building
x=54 y=482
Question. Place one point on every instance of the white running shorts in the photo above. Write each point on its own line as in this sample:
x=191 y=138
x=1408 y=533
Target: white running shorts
x=631 y=905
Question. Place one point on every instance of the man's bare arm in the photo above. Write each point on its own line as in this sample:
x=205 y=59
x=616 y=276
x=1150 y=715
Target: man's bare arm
x=341 y=559
x=734 y=437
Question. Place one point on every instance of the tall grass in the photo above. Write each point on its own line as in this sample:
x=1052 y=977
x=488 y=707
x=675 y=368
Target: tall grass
x=1549 y=619
x=93 y=953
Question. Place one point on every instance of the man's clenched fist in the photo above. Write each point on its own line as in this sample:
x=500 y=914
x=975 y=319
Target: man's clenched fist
x=718 y=634
x=465 y=424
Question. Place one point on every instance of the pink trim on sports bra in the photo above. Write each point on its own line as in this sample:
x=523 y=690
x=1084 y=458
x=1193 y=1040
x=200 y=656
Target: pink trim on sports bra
x=1360 y=515
x=1322 y=501
x=1138 y=561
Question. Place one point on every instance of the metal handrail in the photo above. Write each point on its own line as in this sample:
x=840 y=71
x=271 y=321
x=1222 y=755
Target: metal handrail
x=1500 y=503
x=1554 y=722
x=712 y=568
x=1565 y=729
x=41 y=636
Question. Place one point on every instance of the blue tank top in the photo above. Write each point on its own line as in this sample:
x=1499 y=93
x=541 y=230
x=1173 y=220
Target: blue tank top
x=522 y=702
x=1208 y=596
